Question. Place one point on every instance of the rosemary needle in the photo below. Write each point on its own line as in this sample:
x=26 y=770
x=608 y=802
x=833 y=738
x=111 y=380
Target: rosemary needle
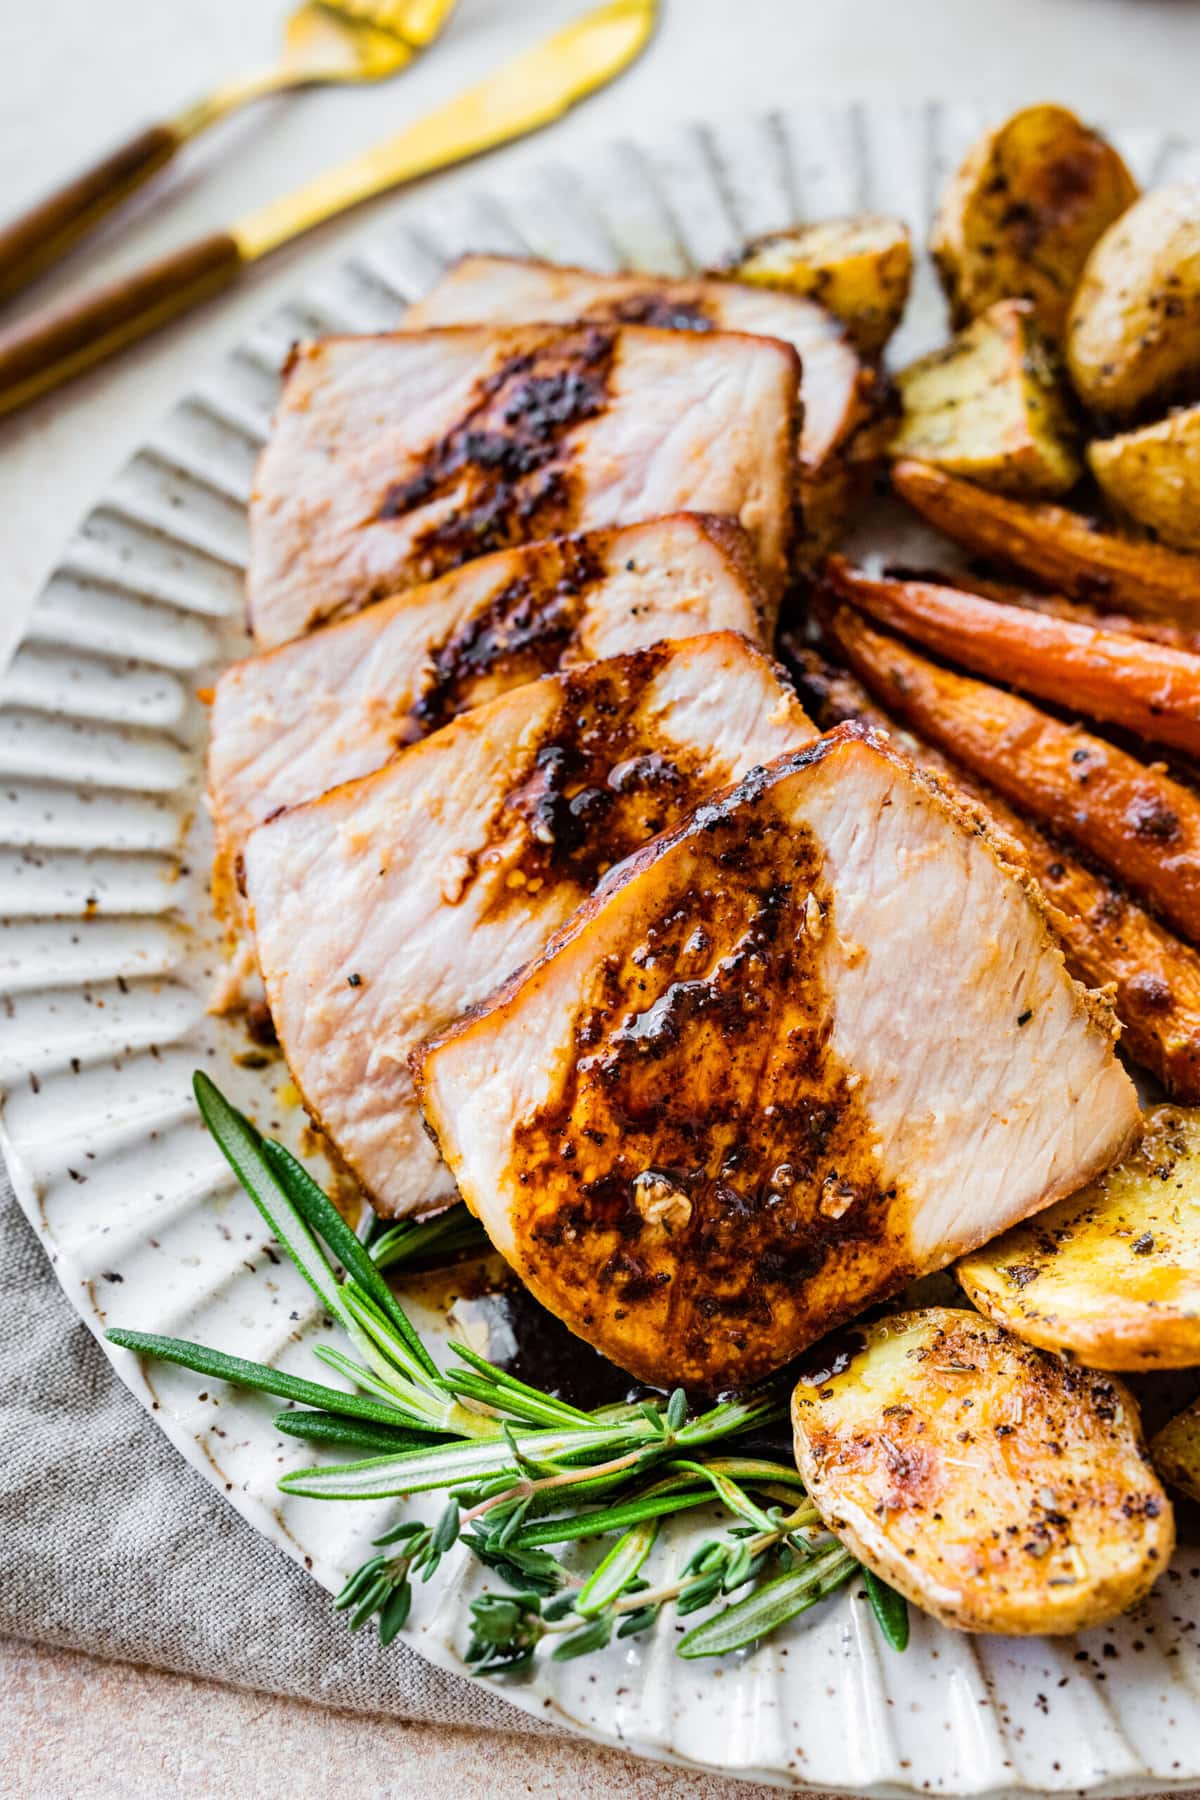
x=519 y=1469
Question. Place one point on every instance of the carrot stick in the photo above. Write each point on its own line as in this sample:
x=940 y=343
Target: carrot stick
x=1057 y=546
x=1108 y=939
x=1132 y=817
x=1148 y=688
x=1061 y=606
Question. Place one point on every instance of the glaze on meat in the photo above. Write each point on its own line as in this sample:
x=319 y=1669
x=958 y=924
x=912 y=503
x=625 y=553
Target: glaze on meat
x=795 y=1053
x=841 y=399
x=293 y=723
x=397 y=458
x=432 y=879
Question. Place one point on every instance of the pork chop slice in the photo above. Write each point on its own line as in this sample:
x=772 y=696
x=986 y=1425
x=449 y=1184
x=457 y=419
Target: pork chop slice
x=840 y=396
x=394 y=459
x=300 y=719
x=384 y=908
x=813 y=1043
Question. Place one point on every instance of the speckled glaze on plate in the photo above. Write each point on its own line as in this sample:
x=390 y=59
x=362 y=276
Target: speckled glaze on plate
x=108 y=955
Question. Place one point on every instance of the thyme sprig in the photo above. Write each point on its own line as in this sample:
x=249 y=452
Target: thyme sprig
x=521 y=1469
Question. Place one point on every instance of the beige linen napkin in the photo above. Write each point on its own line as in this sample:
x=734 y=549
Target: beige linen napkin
x=111 y=1543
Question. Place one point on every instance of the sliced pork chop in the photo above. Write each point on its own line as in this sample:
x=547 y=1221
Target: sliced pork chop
x=290 y=724
x=808 y=1046
x=384 y=908
x=840 y=396
x=395 y=459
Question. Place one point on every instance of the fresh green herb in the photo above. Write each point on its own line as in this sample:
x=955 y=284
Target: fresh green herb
x=890 y=1609
x=520 y=1469
x=455 y=1232
x=770 y=1606
x=322 y=1428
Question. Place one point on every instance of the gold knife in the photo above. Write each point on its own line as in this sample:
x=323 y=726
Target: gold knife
x=55 y=344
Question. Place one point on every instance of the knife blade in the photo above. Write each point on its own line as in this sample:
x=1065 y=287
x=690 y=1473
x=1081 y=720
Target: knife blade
x=527 y=93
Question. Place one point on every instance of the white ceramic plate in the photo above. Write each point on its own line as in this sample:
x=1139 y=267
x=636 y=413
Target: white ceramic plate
x=108 y=953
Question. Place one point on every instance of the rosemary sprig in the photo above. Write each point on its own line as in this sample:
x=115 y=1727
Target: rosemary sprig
x=890 y=1609
x=520 y=1469
x=455 y=1232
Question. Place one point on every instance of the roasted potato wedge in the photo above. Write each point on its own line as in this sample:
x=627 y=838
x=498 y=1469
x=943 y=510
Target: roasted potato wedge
x=1057 y=546
x=1152 y=475
x=996 y=1487
x=1133 y=334
x=1111 y=1275
x=1175 y=1451
x=1023 y=211
x=989 y=406
x=858 y=267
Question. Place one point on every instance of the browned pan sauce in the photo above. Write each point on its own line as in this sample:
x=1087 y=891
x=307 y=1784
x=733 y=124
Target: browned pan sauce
x=508 y=457
x=522 y=632
x=704 y=1178
x=597 y=787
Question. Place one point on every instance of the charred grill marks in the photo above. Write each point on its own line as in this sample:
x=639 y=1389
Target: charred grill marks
x=504 y=459
x=687 y=1165
x=594 y=793
x=524 y=629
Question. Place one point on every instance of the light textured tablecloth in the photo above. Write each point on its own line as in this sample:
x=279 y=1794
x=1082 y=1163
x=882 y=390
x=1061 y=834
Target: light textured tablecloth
x=111 y=1543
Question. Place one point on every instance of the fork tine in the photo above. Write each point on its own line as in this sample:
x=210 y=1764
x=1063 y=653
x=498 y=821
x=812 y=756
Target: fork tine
x=418 y=22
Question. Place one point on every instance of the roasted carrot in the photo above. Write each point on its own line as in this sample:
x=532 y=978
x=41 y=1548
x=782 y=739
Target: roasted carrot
x=1061 y=606
x=1057 y=546
x=1132 y=817
x=1149 y=689
x=1108 y=939
x=1056 y=606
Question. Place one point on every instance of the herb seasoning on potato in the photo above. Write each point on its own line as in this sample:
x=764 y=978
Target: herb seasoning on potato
x=996 y=1487
x=1152 y=475
x=1021 y=215
x=1133 y=336
x=989 y=406
x=1112 y=1275
x=859 y=268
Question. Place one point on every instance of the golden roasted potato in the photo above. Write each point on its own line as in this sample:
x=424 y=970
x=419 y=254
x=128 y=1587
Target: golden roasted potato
x=996 y=1487
x=859 y=268
x=1152 y=474
x=1111 y=1275
x=1133 y=335
x=989 y=406
x=1023 y=211
x=1175 y=1451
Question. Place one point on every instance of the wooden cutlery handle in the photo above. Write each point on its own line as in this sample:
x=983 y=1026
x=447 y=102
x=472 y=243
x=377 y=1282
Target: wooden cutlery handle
x=49 y=347
x=48 y=230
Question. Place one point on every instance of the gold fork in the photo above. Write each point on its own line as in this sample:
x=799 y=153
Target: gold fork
x=324 y=41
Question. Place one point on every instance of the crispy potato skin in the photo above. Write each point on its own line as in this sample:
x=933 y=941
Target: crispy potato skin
x=1175 y=1451
x=996 y=1487
x=1023 y=211
x=1133 y=334
x=1150 y=689
x=989 y=406
x=1109 y=940
x=1057 y=546
x=1152 y=474
x=858 y=267
x=1111 y=1275
x=1131 y=816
